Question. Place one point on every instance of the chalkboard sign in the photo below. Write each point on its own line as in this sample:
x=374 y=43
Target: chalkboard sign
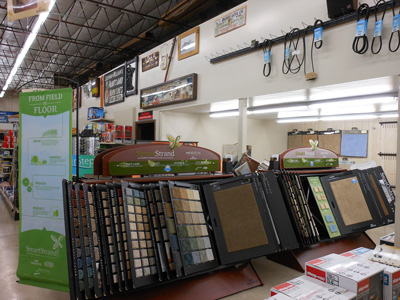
x=114 y=86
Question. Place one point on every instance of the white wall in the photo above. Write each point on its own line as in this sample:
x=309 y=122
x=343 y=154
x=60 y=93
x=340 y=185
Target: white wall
x=242 y=76
x=265 y=137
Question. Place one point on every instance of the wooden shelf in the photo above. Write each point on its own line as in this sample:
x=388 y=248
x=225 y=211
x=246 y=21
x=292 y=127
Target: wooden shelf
x=102 y=120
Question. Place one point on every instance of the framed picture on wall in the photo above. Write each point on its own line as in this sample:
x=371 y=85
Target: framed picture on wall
x=131 y=77
x=188 y=43
x=174 y=91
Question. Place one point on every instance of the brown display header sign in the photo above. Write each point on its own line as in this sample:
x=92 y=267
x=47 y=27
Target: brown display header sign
x=160 y=159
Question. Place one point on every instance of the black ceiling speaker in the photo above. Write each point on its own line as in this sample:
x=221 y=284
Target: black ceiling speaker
x=338 y=8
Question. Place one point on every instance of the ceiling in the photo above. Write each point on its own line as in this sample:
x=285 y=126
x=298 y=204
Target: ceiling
x=82 y=39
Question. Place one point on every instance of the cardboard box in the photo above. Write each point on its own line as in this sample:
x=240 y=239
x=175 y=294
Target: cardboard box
x=391 y=275
x=304 y=287
x=363 y=278
x=95 y=113
x=279 y=297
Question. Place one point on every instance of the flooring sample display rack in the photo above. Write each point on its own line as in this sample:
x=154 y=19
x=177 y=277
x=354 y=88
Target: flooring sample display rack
x=126 y=235
x=97 y=237
x=330 y=208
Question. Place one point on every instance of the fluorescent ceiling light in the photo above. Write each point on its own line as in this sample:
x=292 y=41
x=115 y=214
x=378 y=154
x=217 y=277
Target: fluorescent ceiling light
x=297 y=120
x=394 y=115
x=224 y=114
x=357 y=88
x=303 y=113
x=388 y=107
x=361 y=102
x=32 y=36
x=287 y=97
x=347 y=110
x=349 y=117
x=274 y=110
x=224 y=105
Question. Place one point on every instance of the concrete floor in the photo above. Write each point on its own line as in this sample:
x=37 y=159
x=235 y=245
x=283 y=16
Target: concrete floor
x=270 y=272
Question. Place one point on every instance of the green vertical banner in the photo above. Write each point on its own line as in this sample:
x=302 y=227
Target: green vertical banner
x=45 y=159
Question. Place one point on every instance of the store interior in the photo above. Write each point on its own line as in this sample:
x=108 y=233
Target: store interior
x=235 y=109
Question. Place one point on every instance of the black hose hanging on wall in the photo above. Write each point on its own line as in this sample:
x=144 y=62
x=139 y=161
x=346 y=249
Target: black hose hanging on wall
x=361 y=36
x=395 y=29
x=378 y=26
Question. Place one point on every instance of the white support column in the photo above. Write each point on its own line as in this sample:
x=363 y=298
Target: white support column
x=242 y=135
x=157 y=116
x=397 y=211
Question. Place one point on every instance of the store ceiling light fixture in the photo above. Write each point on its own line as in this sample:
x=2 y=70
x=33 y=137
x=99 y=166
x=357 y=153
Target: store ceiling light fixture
x=32 y=36
x=226 y=113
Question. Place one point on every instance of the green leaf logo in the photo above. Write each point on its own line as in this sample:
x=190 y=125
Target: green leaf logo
x=174 y=142
x=57 y=242
x=314 y=145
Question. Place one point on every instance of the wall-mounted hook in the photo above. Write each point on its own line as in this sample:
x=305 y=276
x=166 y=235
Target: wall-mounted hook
x=233 y=50
x=207 y=58
x=246 y=45
x=218 y=54
x=240 y=47
x=284 y=33
x=225 y=52
x=273 y=36
x=304 y=24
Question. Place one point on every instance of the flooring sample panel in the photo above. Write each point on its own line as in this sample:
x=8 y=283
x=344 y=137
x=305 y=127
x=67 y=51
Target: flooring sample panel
x=295 y=141
x=330 y=141
x=240 y=218
x=354 y=144
x=351 y=201
x=307 y=138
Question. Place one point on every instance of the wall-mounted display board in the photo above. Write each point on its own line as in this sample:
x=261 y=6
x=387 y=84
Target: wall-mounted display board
x=330 y=140
x=295 y=139
x=114 y=86
x=308 y=136
x=131 y=77
x=174 y=91
x=354 y=143
x=230 y=21
x=151 y=61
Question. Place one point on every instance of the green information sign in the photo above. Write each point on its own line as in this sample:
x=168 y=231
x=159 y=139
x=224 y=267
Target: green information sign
x=45 y=154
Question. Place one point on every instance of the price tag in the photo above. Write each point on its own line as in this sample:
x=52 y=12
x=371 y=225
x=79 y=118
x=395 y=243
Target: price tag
x=296 y=52
x=267 y=57
x=362 y=26
x=396 y=23
x=378 y=28
x=318 y=34
x=287 y=53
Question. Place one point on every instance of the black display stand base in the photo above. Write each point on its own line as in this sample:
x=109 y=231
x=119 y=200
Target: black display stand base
x=211 y=286
x=296 y=259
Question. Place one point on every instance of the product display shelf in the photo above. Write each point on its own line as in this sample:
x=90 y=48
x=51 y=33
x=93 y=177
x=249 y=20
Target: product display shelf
x=10 y=203
x=101 y=120
x=14 y=179
x=214 y=283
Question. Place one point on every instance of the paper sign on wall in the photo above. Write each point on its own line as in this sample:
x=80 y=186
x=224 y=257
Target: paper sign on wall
x=45 y=154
